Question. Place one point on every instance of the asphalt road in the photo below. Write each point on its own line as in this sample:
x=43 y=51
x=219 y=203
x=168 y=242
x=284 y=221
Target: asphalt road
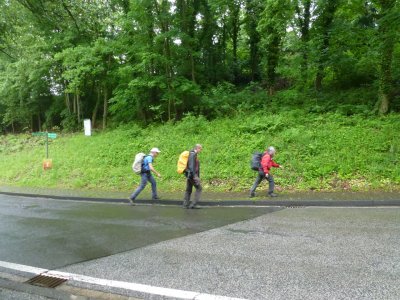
x=51 y=234
x=250 y=253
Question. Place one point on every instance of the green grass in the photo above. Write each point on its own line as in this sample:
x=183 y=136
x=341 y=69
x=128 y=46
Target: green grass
x=328 y=151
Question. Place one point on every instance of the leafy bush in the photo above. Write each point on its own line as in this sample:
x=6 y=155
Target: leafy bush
x=69 y=122
x=319 y=151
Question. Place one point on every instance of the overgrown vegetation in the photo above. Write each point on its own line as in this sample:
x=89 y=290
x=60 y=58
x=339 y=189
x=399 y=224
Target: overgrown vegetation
x=319 y=79
x=320 y=151
x=152 y=61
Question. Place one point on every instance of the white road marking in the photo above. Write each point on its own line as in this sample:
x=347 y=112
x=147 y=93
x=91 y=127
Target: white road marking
x=22 y=268
x=137 y=287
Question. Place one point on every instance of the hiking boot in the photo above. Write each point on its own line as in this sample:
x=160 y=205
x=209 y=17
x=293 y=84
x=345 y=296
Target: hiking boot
x=252 y=195
x=272 y=194
x=131 y=201
x=156 y=198
x=185 y=204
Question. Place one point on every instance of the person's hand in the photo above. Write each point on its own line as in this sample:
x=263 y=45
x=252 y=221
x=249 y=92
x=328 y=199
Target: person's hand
x=266 y=175
x=281 y=167
x=159 y=175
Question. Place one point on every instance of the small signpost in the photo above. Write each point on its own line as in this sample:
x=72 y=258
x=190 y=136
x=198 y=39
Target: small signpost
x=88 y=127
x=47 y=163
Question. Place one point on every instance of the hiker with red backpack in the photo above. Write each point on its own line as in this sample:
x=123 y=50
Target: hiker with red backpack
x=264 y=163
x=192 y=173
x=143 y=166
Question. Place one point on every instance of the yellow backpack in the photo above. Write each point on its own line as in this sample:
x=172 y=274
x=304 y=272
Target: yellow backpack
x=182 y=162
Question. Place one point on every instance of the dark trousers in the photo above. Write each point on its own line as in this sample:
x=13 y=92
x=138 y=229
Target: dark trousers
x=259 y=178
x=145 y=178
x=189 y=188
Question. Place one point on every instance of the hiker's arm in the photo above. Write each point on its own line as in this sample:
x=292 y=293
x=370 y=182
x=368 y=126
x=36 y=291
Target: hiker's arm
x=192 y=165
x=154 y=170
x=275 y=165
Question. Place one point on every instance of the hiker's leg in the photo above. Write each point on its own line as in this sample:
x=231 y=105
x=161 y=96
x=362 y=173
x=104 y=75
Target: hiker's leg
x=188 y=192
x=153 y=186
x=199 y=188
x=142 y=185
x=271 y=184
x=259 y=178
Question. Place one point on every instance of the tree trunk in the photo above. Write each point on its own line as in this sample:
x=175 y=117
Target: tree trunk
x=206 y=42
x=67 y=102
x=96 y=108
x=165 y=27
x=235 y=35
x=223 y=42
x=39 y=122
x=324 y=21
x=318 y=78
x=271 y=90
x=253 y=12
x=385 y=77
x=273 y=29
x=386 y=34
x=192 y=67
x=384 y=100
x=78 y=106
x=187 y=11
x=74 y=104
x=273 y=60
x=105 y=108
x=168 y=71
x=304 y=24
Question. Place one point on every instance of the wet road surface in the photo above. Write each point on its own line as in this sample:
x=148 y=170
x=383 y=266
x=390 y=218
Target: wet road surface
x=300 y=253
x=250 y=253
x=51 y=234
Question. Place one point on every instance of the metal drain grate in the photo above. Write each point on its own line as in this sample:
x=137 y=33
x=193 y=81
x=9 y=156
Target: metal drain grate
x=46 y=281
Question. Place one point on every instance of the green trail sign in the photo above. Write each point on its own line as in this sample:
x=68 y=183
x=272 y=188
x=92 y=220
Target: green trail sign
x=51 y=135
x=48 y=135
x=39 y=133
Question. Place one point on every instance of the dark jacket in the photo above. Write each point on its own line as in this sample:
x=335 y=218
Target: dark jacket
x=193 y=169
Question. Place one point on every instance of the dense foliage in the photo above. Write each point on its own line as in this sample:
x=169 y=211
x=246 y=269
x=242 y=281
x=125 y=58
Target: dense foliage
x=159 y=60
x=320 y=151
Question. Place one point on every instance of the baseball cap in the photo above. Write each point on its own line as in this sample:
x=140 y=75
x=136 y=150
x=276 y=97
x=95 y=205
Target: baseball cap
x=155 y=150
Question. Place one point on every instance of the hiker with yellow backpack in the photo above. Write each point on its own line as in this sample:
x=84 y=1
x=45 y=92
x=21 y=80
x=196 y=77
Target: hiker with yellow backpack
x=189 y=165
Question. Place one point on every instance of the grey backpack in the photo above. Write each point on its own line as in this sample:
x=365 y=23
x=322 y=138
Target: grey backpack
x=137 y=163
x=255 y=163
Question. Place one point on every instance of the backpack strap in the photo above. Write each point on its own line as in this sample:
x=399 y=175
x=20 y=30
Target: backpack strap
x=144 y=161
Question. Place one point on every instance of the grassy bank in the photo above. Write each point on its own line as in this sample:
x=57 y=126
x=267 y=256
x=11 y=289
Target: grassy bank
x=327 y=151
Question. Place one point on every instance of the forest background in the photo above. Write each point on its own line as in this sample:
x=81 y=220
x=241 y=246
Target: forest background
x=320 y=79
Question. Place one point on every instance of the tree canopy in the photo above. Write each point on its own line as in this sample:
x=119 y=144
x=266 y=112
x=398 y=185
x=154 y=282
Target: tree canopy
x=157 y=60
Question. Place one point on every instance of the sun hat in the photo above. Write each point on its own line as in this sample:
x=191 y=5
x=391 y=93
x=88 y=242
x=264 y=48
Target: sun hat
x=155 y=150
